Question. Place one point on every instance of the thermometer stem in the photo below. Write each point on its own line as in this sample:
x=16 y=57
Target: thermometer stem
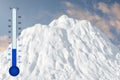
x=14 y=36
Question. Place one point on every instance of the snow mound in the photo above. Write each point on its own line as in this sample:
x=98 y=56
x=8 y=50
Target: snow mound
x=66 y=49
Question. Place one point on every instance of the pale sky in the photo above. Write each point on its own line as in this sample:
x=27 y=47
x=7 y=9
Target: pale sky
x=105 y=14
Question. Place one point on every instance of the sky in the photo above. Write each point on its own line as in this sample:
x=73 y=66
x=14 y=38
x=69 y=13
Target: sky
x=105 y=14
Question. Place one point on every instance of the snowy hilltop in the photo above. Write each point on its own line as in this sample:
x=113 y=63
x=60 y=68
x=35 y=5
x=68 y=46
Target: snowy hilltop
x=66 y=49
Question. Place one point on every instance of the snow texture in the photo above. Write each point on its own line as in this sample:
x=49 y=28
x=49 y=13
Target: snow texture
x=66 y=49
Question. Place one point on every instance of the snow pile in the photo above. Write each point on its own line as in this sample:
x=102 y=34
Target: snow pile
x=66 y=49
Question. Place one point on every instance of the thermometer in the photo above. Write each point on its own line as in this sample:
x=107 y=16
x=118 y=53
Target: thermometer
x=14 y=70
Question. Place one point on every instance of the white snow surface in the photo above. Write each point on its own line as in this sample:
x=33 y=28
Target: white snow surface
x=66 y=49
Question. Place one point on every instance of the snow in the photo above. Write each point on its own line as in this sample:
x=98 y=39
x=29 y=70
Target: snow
x=66 y=49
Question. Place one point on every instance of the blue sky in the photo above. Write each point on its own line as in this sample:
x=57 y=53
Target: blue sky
x=105 y=14
x=32 y=12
